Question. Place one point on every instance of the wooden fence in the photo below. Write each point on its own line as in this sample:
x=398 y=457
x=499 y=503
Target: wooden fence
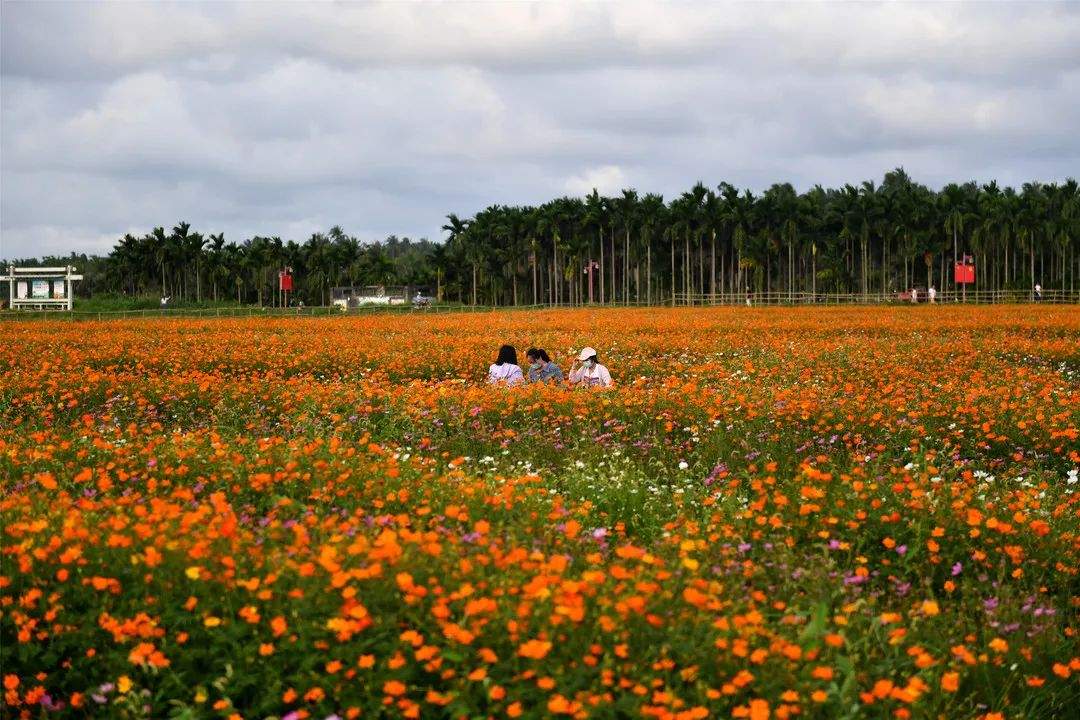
x=977 y=297
x=982 y=297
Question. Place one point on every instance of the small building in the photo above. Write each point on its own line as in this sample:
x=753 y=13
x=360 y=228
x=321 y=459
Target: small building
x=360 y=295
x=40 y=288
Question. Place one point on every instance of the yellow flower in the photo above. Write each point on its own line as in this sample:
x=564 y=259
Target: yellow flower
x=211 y=621
x=123 y=684
x=200 y=695
x=193 y=572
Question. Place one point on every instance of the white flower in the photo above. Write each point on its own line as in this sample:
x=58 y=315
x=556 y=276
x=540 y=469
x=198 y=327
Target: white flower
x=1073 y=477
x=683 y=465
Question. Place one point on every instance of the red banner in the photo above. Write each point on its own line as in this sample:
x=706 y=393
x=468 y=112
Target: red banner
x=964 y=274
x=285 y=282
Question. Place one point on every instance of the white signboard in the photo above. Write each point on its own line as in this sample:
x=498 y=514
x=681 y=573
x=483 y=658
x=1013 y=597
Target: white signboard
x=40 y=288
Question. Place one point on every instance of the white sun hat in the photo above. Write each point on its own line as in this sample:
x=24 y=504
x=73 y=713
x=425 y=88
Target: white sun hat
x=586 y=353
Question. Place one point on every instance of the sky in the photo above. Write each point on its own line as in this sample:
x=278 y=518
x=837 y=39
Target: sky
x=286 y=119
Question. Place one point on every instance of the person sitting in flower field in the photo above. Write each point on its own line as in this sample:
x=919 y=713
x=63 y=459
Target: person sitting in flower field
x=505 y=369
x=590 y=373
x=541 y=368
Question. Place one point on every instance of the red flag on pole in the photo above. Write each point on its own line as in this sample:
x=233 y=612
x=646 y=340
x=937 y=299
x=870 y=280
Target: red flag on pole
x=964 y=274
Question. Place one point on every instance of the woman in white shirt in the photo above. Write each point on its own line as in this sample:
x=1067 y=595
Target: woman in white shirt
x=590 y=373
x=505 y=370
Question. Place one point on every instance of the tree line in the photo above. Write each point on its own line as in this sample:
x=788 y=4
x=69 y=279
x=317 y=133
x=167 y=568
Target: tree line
x=865 y=239
x=188 y=266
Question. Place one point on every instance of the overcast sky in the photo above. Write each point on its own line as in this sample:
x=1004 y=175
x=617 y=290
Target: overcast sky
x=286 y=119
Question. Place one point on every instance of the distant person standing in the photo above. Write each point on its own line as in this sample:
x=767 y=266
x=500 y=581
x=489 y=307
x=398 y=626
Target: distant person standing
x=931 y=293
x=914 y=295
x=1038 y=293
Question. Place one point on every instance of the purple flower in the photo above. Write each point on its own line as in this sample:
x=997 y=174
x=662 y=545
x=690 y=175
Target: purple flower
x=901 y=549
x=743 y=547
x=957 y=569
x=48 y=703
x=834 y=544
x=599 y=533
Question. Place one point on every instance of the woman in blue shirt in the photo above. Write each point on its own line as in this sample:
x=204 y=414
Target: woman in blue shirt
x=541 y=369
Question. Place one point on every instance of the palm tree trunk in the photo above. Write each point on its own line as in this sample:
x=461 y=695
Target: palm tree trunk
x=712 y=266
x=701 y=265
x=614 y=287
x=648 y=273
x=884 y=260
x=686 y=267
x=791 y=273
x=626 y=268
x=723 y=279
x=944 y=279
x=558 y=278
x=672 y=271
x=602 y=296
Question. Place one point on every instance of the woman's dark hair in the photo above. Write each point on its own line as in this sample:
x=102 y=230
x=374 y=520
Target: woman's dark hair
x=534 y=353
x=507 y=354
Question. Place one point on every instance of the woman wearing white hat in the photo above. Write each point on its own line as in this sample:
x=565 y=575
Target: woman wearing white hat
x=589 y=373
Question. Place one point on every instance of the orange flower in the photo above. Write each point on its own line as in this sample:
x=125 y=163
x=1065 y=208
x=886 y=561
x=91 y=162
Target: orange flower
x=394 y=688
x=535 y=649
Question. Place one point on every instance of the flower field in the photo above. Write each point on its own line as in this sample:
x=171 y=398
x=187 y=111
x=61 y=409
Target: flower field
x=813 y=513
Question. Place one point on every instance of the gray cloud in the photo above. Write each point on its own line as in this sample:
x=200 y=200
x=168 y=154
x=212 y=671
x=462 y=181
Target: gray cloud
x=284 y=119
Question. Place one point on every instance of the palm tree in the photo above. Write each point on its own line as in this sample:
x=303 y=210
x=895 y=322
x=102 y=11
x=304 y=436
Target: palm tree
x=1030 y=222
x=215 y=260
x=653 y=219
x=596 y=216
x=956 y=205
x=626 y=210
x=869 y=211
x=458 y=230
